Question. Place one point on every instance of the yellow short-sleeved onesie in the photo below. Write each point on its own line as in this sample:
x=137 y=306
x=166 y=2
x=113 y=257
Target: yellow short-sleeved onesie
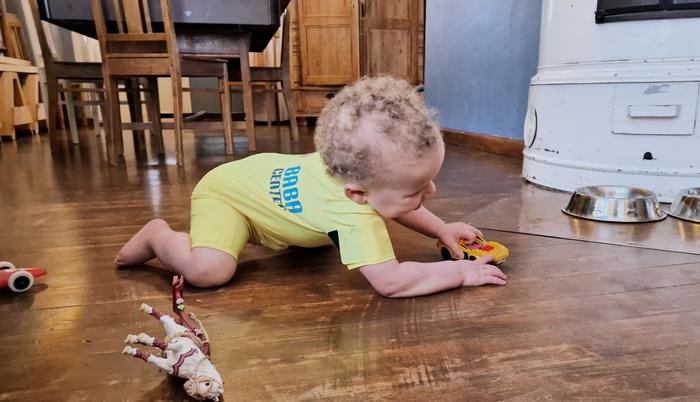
x=280 y=200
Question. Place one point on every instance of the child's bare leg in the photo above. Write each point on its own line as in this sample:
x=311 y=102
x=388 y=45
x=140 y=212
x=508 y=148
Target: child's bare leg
x=201 y=266
x=138 y=249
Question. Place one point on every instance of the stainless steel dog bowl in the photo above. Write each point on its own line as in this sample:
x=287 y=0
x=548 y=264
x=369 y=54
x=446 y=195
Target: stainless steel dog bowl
x=615 y=204
x=686 y=205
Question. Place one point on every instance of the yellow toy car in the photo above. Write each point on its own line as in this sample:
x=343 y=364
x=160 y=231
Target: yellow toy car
x=478 y=248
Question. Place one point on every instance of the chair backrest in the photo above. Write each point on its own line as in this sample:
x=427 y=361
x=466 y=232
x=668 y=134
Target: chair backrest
x=46 y=52
x=11 y=32
x=133 y=16
x=135 y=32
x=3 y=28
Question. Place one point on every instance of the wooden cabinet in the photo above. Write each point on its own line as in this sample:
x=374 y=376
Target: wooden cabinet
x=328 y=41
x=392 y=39
x=334 y=42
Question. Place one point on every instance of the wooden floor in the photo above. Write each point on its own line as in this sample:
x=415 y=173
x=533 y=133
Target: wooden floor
x=577 y=320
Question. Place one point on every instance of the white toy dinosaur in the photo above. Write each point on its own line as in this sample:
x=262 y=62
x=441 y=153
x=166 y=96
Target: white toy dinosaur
x=185 y=350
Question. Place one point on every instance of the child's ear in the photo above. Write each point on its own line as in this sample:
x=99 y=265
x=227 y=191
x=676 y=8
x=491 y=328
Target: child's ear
x=356 y=193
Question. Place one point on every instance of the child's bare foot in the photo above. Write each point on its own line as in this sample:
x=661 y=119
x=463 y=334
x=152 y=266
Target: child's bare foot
x=138 y=250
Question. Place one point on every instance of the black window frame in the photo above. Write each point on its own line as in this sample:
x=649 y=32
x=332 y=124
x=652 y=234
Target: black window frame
x=634 y=10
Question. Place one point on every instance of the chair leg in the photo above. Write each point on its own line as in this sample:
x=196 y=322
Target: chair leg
x=291 y=109
x=133 y=96
x=61 y=116
x=269 y=100
x=248 y=100
x=70 y=109
x=225 y=92
x=113 y=129
x=7 y=105
x=101 y=115
x=153 y=106
x=52 y=109
x=82 y=96
x=276 y=104
x=31 y=98
x=176 y=83
x=95 y=110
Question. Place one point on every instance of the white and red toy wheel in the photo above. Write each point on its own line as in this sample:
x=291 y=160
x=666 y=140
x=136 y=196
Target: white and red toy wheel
x=20 y=281
x=6 y=265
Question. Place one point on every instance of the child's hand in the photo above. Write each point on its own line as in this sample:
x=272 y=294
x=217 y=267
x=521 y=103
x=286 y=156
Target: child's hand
x=451 y=233
x=479 y=272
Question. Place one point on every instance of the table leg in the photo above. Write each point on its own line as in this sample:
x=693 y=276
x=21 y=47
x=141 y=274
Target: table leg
x=248 y=98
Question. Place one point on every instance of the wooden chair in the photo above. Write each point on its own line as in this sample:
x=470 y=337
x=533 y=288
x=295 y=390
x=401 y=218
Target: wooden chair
x=3 y=29
x=270 y=77
x=136 y=50
x=11 y=29
x=63 y=80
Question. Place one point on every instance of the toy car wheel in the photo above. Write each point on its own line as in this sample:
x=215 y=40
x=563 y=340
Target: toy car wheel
x=20 y=281
x=446 y=255
x=6 y=265
x=471 y=258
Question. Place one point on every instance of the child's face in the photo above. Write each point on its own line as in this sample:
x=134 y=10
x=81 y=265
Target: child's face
x=405 y=184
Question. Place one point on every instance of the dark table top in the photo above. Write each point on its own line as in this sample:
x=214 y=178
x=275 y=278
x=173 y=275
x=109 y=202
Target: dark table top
x=259 y=17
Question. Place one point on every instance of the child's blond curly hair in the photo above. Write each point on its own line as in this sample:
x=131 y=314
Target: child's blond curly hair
x=367 y=120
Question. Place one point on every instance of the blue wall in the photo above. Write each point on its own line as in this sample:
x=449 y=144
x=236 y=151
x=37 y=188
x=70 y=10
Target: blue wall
x=480 y=56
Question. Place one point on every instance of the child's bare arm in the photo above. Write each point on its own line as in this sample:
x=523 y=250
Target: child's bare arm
x=422 y=221
x=408 y=279
x=427 y=223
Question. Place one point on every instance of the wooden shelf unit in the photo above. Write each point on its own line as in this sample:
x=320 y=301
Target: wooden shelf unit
x=19 y=104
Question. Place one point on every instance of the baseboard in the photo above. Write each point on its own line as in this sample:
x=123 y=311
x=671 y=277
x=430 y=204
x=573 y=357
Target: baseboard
x=486 y=143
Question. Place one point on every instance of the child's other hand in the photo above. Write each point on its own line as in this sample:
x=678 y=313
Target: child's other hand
x=451 y=233
x=479 y=272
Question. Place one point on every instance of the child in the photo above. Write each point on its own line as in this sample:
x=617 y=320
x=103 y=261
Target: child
x=378 y=152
